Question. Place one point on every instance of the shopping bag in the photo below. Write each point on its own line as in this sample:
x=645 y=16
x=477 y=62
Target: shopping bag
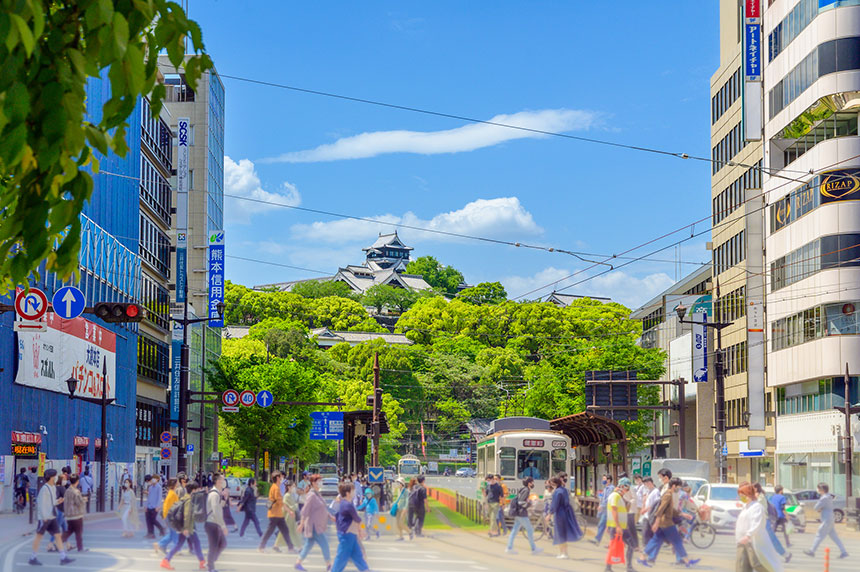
x=616 y=550
x=789 y=527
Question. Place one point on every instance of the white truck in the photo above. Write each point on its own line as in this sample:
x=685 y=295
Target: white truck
x=696 y=473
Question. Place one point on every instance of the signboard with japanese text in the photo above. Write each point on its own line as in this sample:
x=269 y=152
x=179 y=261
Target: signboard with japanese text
x=183 y=141
x=753 y=9
x=752 y=52
x=68 y=348
x=326 y=425
x=175 y=377
x=216 y=277
x=700 y=347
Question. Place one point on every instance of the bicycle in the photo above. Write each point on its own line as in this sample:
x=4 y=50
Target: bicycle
x=701 y=533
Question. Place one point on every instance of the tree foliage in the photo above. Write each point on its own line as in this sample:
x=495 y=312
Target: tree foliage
x=49 y=50
x=484 y=293
x=443 y=278
x=323 y=288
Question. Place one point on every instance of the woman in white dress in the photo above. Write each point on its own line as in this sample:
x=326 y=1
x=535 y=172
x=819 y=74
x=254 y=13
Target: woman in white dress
x=755 y=552
x=128 y=510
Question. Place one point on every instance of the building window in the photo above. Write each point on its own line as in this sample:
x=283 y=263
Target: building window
x=790 y=27
x=733 y=196
x=154 y=246
x=735 y=361
x=154 y=190
x=842 y=54
x=156 y=299
x=654 y=318
x=730 y=253
x=153 y=359
x=151 y=420
x=837 y=125
x=833 y=251
x=823 y=395
x=726 y=149
x=837 y=319
x=726 y=96
x=732 y=306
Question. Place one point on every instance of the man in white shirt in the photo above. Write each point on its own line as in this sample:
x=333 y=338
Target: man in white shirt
x=652 y=498
x=216 y=529
x=47 y=505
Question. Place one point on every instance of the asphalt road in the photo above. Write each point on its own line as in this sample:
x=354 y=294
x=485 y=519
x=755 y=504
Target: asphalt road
x=464 y=486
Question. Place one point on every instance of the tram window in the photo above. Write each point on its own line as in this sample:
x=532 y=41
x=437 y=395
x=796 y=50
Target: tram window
x=491 y=459
x=482 y=453
x=533 y=463
x=507 y=461
x=559 y=461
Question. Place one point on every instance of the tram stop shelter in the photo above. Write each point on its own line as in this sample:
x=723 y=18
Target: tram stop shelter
x=593 y=437
x=356 y=432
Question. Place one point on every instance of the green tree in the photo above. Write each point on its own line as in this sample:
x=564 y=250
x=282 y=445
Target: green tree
x=440 y=277
x=378 y=296
x=323 y=288
x=484 y=293
x=49 y=49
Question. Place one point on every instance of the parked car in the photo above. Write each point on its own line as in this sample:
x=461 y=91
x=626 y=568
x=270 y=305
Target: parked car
x=466 y=472
x=723 y=501
x=793 y=509
x=234 y=485
x=328 y=487
x=809 y=497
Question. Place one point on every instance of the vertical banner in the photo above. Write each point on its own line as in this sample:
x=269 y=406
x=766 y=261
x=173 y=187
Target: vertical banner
x=755 y=365
x=752 y=96
x=700 y=347
x=182 y=184
x=216 y=277
x=175 y=373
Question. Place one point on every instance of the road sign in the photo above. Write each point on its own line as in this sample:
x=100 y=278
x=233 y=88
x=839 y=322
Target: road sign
x=68 y=302
x=247 y=398
x=326 y=425
x=283 y=459
x=264 y=398
x=30 y=326
x=165 y=453
x=189 y=448
x=230 y=397
x=166 y=437
x=725 y=451
x=226 y=409
x=375 y=475
x=31 y=305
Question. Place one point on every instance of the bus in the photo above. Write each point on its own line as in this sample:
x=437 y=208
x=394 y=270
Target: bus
x=324 y=469
x=408 y=466
x=519 y=447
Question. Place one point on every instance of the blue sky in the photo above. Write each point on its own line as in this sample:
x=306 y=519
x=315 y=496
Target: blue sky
x=631 y=72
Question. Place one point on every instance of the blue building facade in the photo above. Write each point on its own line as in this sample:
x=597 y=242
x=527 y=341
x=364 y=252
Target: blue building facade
x=69 y=430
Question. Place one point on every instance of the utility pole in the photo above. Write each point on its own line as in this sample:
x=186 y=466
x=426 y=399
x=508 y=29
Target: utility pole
x=377 y=405
x=848 y=447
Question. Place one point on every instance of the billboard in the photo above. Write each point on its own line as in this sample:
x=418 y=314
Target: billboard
x=613 y=393
x=68 y=348
x=215 y=256
x=700 y=347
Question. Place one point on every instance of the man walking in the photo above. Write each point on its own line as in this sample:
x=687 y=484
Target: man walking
x=652 y=499
x=22 y=483
x=617 y=521
x=779 y=502
x=153 y=502
x=419 y=500
x=216 y=529
x=664 y=528
x=601 y=510
x=47 y=504
x=494 y=496
x=86 y=484
x=826 y=528
x=520 y=510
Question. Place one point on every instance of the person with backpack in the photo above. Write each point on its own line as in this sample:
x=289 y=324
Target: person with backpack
x=172 y=536
x=248 y=506
x=519 y=509
x=399 y=509
x=22 y=483
x=183 y=517
x=275 y=514
x=771 y=515
x=216 y=529
x=47 y=504
x=649 y=507
x=75 y=507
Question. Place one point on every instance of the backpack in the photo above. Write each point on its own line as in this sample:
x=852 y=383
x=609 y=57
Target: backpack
x=176 y=515
x=198 y=505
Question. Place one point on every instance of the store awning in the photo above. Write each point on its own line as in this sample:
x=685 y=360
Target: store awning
x=588 y=428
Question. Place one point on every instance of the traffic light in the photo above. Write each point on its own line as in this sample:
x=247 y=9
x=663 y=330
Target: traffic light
x=119 y=312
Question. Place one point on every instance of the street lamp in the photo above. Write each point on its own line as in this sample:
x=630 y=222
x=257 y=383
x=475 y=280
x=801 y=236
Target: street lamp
x=182 y=461
x=103 y=401
x=719 y=382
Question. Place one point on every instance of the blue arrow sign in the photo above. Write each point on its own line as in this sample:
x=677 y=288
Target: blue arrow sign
x=326 y=426
x=264 y=398
x=375 y=475
x=69 y=302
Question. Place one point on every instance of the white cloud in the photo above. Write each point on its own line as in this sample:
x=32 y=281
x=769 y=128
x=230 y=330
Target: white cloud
x=500 y=217
x=467 y=138
x=632 y=291
x=241 y=179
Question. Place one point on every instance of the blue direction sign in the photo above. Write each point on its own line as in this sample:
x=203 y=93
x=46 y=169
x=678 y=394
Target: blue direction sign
x=68 y=302
x=326 y=426
x=375 y=475
x=264 y=398
x=165 y=453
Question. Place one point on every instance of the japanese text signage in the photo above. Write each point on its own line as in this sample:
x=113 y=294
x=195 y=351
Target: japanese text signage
x=183 y=130
x=216 y=277
x=753 y=9
x=326 y=425
x=26 y=438
x=25 y=450
x=752 y=40
x=700 y=347
x=68 y=348
x=532 y=442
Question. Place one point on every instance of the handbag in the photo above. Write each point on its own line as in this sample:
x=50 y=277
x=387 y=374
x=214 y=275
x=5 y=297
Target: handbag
x=616 y=550
x=394 y=509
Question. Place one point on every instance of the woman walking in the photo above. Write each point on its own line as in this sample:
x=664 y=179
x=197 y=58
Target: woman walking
x=755 y=552
x=128 y=510
x=228 y=516
x=248 y=506
x=410 y=515
x=291 y=516
x=400 y=509
x=75 y=507
x=771 y=515
x=566 y=527
x=315 y=517
x=188 y=532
